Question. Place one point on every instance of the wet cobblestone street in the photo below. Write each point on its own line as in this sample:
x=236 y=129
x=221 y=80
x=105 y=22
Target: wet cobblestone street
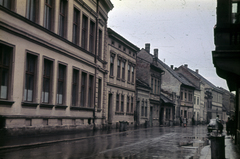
x=157 y=142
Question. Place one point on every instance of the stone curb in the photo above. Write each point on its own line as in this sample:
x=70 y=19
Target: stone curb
x=63 y=140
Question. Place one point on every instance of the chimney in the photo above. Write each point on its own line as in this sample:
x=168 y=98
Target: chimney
x=171 y=66
x=147 y=47
x=156 y=53
x=197 y=71
x=185 y=65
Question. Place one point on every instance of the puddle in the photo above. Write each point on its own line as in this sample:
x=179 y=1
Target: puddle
x=194 y=143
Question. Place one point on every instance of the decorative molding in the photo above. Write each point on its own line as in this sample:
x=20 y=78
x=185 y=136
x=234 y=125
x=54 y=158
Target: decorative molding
x=30 y=104
x=6 y=102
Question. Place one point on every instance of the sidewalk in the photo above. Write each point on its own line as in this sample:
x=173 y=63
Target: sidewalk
x=27 y=141
x=231 y=150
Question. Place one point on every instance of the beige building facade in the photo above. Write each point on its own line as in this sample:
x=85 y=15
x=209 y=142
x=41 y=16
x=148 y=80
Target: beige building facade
x=121 y=80
x=52 y=64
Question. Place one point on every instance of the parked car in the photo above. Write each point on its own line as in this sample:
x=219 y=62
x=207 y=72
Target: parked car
x=214 y=125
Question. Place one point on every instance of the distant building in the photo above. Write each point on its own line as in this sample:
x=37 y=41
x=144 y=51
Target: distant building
x=121 y=80
x=150 y=73
x=207 y=94
x=226 y=57
x=52 y=65
x=177 y=88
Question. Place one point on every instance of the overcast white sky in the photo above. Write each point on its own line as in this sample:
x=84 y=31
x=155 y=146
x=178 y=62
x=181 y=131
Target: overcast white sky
x=182 y=30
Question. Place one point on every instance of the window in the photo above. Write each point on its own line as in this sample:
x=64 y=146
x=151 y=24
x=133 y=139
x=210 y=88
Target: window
x=159 y=87
x=99 y=92
x=128 y=104
x=185 y=96
x=181 y=96
x=129 y=72
x=118 y=68
x=91 y=37
x=152 y=85
x=5 y=71
x=48 y=14
x=236 y=12
x=132 y=104
x=31 y=10
x=197 y=100
x=122 y=103
x=123 y=69
x=117 y=102
x=75 y=76
x=62 y=17
x=83 y=88
x=189 y=97
x=145 y=108
x=6 y=3
x=132 y=74
x=47 y=79
x=84 y=31
x=111 y=65
x=30 y=77
x=90 y=91
x=155 y=89
x=75 y=35
x=142 y=112
x=61 y=83
x=100 y=43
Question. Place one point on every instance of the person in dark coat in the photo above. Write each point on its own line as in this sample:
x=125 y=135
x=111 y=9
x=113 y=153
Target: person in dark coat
x=228 y=126
x=181 y=121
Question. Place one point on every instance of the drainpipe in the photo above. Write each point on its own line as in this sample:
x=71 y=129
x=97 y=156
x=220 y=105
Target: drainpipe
x=95 y=61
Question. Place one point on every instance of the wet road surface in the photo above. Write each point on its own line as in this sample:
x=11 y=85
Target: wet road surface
x=157 y=142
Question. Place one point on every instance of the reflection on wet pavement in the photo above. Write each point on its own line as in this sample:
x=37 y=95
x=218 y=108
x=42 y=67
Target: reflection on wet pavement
x=157 y=142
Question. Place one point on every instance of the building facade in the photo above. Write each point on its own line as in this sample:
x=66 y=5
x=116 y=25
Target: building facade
x=52 y=64
x=121 y=80
x=226 y=55
x=149 y=72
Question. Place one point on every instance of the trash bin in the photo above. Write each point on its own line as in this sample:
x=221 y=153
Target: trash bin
x=123 y=126
x=217 y=147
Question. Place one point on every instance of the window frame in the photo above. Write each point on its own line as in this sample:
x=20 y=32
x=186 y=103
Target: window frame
x=75 y=87
x=48 y=15
x=117 y=102
x=51 y=61
x=34 y=74
x=32 y=10
x=118 y=68
x=122 y=103
x=100 y=36
x=99 y=92
x=83 y=89
x=92 y=33
x=63 y=14
x=84 y=32
x=9 y=48
x=76 y=26
x=90 y=90
x=133 y=69
x=63 y=81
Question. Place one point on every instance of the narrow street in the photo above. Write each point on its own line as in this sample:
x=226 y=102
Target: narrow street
x=157 y=142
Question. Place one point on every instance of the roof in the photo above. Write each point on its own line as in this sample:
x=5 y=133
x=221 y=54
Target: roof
x=166 y=100
x=143 y=84
x=179 y=77
x=204 y=80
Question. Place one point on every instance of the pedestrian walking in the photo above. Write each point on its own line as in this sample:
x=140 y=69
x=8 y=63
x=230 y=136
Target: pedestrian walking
x=232 y=127
x=185 y=122
x=228 y=126
x=181 y=121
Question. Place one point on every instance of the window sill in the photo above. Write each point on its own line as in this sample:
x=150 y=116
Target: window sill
x=61 y=106
x=110 y=76
x=144 y=118
x=118 y=78
x=6 y=102
x=45 y=105
x=123 y=80
x=30 y=104
x=128 y=82
x=129 y=113
x=81 y=108
x=99 y=110
x=119 y=113
x=132 y=83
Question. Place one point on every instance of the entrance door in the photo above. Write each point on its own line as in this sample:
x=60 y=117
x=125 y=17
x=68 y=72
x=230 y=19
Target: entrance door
x=150 y=116
x=161 y=116
x=110 y=108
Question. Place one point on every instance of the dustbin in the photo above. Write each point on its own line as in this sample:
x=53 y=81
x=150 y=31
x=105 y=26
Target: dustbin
x=123 y=126
x=217 y=147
